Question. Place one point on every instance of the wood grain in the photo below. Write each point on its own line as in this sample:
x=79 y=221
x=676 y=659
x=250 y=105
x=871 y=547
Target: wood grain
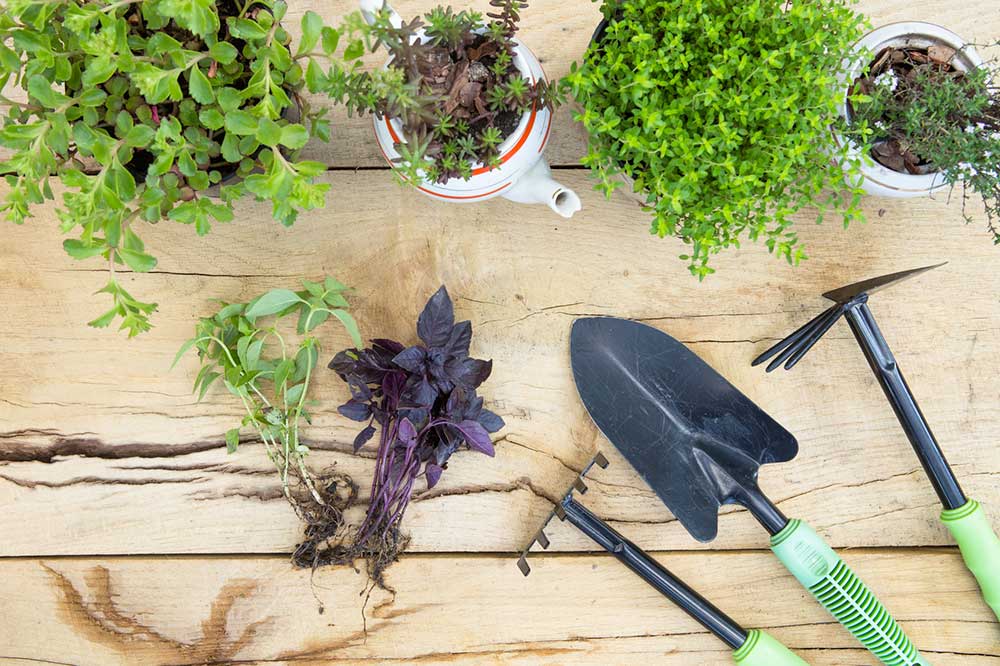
x=458 y=610
x=95 y=431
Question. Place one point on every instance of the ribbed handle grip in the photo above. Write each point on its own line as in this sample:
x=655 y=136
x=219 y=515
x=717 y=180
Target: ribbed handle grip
x=824 y=574
x=980 y=548
x=762 y=649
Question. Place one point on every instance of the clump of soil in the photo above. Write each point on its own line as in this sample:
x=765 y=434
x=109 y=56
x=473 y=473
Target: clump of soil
x=330 y=540
x=909 y=71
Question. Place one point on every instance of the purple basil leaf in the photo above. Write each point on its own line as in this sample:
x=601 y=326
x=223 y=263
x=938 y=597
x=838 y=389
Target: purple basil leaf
x=476 y=371
x=459 y=339
x=343 y=364
x=392 y=385
x=435 y=322
x=389 y=345
x=412 y=359
x=475 y=436
x=363 y=438
x=455 y=406
x=418 y=417
x=407 y=433
x=472 y=409
x=359 y=389
x=421 y=393
x=448 y=445
x=433 y=474
x=356 y=410
x=490 y=421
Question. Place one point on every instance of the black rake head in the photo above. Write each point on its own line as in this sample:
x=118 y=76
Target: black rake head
x=580 y=486
x=792 y=349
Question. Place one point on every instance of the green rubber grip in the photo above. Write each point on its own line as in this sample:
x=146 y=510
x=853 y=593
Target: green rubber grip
x=824 y=574
x=980 y=548
x=762 y=649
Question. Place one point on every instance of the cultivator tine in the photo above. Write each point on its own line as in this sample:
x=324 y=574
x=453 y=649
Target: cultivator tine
x=578 y=485
x=796 y=345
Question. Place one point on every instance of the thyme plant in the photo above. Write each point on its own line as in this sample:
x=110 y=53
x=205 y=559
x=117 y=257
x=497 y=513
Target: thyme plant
x=720 y=113
x=920 y=114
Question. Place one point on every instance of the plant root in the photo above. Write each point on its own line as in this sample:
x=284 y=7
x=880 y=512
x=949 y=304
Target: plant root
x=329 y=540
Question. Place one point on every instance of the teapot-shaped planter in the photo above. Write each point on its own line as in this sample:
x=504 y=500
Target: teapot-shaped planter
x=523 y=175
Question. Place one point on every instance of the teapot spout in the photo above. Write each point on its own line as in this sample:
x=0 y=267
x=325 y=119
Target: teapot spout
x=369 y=8
x=537 y=186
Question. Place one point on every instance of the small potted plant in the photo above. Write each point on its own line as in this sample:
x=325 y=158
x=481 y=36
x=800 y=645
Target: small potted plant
x=155 y=110
x=925 y=107
x=462 y=110
x=718 y=115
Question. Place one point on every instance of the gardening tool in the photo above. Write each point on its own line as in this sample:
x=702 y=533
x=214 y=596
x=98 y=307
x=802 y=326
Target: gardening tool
x=699 y=442
x=750 y=648
x=964 y=517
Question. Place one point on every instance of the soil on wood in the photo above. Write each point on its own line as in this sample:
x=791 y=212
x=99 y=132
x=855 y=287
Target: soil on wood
x=330 y=540
x=906 y=66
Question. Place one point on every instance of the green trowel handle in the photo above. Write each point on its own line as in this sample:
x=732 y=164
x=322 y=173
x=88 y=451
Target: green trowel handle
x=824 y=574
x=980 y=548
x=762 y=649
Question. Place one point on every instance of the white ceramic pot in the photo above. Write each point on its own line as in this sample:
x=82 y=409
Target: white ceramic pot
x=877 y=179
x=523 y=175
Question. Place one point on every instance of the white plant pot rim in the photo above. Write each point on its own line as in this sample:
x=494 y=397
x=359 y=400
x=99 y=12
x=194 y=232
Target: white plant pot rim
x=878 y=179
x=530 y=122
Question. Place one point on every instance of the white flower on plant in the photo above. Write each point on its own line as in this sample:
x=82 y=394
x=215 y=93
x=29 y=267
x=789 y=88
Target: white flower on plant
x=888 y=79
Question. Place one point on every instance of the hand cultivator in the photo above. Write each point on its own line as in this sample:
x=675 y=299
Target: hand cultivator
x=964 y=517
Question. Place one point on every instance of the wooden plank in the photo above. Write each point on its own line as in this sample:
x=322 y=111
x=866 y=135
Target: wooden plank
x=459 y=610
x=94 y=430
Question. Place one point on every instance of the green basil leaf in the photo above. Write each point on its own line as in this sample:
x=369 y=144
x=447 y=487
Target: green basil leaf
x=272 y=302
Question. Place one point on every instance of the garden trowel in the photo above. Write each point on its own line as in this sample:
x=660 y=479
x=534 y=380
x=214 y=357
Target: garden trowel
x=699 y=442
x=750 y=648
x=964 y=517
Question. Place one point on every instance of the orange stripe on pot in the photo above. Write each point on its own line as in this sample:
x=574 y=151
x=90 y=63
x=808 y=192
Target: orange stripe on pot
x=465 y=197
x=456 y=197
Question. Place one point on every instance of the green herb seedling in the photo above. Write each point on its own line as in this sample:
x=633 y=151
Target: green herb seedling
x=241 y=346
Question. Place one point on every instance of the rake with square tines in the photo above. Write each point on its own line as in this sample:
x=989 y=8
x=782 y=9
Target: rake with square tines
x=964 y=517
x=751 y=648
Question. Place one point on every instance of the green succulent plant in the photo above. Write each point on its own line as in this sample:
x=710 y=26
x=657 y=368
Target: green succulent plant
x=720 y=113
x=142 y=108
x=458 y=93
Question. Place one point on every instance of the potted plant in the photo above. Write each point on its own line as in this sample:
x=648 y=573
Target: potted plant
x=152 y=110
x=925 y=107
x=718 y=115
x=462 y=110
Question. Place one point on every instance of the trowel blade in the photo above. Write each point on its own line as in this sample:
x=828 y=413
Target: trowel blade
x=694 y=437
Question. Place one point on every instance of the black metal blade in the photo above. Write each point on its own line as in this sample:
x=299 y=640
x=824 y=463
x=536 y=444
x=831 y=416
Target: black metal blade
x=871 y=285
x=694 y=437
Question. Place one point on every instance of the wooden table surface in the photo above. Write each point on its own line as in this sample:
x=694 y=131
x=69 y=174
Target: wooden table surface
x=130 y=536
